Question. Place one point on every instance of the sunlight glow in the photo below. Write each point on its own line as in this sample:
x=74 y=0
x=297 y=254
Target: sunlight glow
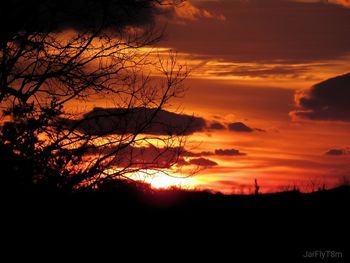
x=161 y=180
x=166 y=182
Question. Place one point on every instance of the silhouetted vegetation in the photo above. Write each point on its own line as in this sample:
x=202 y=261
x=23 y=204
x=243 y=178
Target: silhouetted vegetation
x=123 y=218
x=256 y=186
x=56 y=55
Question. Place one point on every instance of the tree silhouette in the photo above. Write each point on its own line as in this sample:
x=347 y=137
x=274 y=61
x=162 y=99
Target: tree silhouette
x=56 y=55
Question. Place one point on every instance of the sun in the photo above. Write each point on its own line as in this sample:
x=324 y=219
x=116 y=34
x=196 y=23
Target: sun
x=164 y=181
x=160 y=180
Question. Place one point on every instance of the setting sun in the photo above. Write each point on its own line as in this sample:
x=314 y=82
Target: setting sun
x=160 y=180
x=164 y=181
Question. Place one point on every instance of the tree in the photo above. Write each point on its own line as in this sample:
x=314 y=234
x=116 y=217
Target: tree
x=59 y=54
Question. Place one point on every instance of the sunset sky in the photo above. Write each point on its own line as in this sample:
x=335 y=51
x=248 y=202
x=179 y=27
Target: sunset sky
x=249 y=59
x=268 y=90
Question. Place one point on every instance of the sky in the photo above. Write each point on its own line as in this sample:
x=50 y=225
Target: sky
x=267 y=97
x=269 y=79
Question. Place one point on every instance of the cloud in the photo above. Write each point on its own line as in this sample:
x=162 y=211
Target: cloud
x=217 y=152
x=216 y=126
x=40 y=16
x=189 y=11
x=149 y=157
x=228 y=152
x=203 y=162
x=104 y=121
x=266 y=31
x=327 y=100
x=146 y=157
x=153 y=157
x=344 y=3
x=239 y=127
x=336 y=152
x=257 y=70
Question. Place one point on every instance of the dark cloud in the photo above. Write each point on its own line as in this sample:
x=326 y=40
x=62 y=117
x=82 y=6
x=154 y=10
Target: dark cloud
x=328 y=100
x=46 y=15
x=146 y=157
x=265 y=31
x=239 y=127
x=149 y=157
x=336 y=152
x=218 y=152
x=203 y=162
x=228 y=152
x=262 y=71
x=104 y=121
x=216 y=126
x=152 y=157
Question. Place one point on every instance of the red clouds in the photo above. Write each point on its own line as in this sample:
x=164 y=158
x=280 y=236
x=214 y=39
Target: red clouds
x=336 y=152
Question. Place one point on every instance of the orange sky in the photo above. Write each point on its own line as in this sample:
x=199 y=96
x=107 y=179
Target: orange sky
x=248 y=59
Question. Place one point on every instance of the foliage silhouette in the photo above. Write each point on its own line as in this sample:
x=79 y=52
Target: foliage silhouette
x=59 y=54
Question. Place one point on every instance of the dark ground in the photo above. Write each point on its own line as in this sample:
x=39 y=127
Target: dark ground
x=178 y=225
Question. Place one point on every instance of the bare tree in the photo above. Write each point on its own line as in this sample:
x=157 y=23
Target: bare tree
x=56 y=55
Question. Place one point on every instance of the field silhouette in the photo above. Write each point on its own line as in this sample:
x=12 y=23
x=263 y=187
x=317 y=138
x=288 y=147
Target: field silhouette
x=126 y=217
